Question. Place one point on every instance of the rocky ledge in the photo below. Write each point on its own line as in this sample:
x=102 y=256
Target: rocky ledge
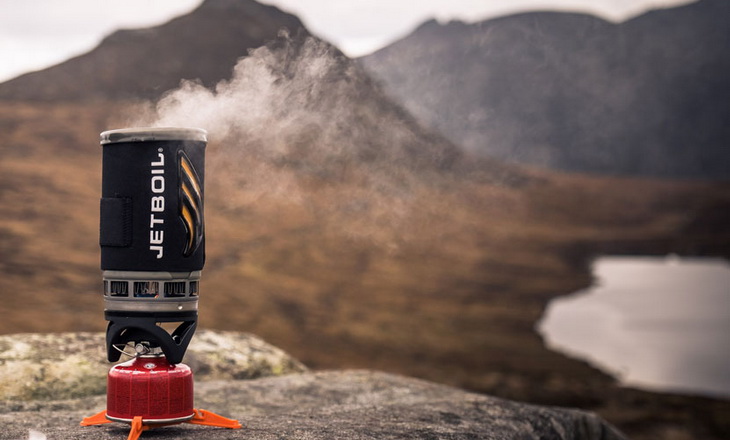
x=325 y=405
x=70 y=365
x=321 y=405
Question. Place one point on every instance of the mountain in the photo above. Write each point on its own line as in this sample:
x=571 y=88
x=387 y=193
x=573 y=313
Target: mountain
x=205 y=48
x=650 y=96
x=144 y=63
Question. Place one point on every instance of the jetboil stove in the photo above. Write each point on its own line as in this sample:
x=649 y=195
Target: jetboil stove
x=152 y=254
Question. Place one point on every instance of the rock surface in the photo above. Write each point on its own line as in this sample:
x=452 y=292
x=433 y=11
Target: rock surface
x=71 y=365
x=326 y=405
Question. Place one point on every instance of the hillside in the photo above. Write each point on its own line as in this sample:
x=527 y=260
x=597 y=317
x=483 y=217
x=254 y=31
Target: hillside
x=342 y=231
x=649 y=96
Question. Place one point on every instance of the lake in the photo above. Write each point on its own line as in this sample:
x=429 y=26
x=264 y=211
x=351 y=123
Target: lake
x=661 y=324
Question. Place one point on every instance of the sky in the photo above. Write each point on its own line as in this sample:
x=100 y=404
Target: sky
x=39 y=33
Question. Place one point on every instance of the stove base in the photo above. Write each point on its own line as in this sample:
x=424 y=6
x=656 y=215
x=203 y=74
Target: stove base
x=199 y=417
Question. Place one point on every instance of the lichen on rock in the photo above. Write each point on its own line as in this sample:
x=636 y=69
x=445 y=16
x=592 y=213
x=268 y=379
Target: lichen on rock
x=222 y=355
x=57 y=366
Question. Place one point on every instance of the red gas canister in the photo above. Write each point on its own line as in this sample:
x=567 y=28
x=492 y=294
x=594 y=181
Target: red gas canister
x=150 y=387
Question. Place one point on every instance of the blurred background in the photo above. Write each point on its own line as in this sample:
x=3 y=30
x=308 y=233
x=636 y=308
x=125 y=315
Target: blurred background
x=528 y=199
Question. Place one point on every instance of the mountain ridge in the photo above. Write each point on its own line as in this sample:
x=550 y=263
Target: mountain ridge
x=144 y=63
x=575 y=92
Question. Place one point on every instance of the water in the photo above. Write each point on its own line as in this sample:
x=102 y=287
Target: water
x=654 y=323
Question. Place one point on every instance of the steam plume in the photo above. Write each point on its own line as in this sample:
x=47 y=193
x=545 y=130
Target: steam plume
x=298 y=114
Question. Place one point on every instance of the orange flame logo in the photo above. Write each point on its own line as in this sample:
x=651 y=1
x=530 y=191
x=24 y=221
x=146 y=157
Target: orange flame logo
x=191 y=204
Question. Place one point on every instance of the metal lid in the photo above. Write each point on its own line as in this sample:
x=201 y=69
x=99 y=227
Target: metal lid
x=146 y=134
